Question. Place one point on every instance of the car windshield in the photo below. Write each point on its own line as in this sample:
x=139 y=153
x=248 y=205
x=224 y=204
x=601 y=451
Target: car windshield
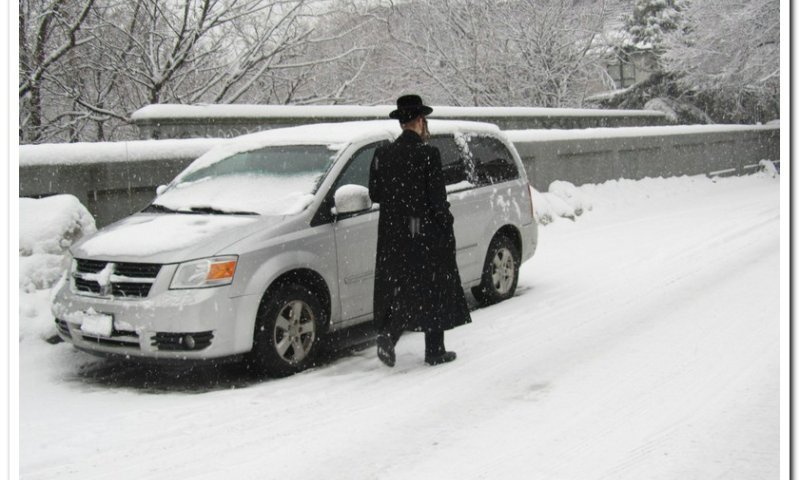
x=277 y=180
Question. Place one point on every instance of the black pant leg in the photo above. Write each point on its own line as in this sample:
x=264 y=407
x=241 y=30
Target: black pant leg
x=393 y=331
x=434 y=343
x=396 y=333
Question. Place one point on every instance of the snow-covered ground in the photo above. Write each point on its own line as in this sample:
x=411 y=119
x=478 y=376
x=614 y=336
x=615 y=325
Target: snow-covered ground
x=644 y=342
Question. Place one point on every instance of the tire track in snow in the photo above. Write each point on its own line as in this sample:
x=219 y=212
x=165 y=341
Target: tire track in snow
x=654 y=295
x=713 y=271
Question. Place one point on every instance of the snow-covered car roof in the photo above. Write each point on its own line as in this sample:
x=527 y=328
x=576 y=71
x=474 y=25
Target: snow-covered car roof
x=335 y=135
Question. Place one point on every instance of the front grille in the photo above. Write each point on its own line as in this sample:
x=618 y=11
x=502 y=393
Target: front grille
x=138 y=270
x=90 y=266
x=131 y=280
x=63 y=328
x=87 y=285
x=177 y=341
x=123 y=289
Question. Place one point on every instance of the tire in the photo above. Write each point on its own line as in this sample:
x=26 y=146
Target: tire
x=287 y=333
x=500 y=272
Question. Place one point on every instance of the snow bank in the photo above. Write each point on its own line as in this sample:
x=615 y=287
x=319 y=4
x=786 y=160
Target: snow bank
x=768 y=167
x=565 y=200
x=50 y=225
x=47 y=228
x=562 y=200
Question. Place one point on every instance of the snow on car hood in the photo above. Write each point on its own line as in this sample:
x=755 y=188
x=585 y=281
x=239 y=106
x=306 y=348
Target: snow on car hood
x=169 y=238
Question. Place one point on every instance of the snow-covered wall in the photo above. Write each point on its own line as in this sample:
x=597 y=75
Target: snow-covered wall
x=116 y=179
x=112 y=179
x=595 y=155
x=182 y=121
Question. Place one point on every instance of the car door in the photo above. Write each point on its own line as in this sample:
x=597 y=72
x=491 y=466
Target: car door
x=499 y=187
x=470 y=211
x=356 y=243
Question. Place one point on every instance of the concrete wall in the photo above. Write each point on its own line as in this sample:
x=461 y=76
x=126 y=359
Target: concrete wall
x=117 y=187
x=580 y=158
x=112 y=179
x=109 y=190
x=196 y=121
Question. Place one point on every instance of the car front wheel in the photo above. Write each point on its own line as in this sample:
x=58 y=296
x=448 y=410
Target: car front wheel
x=287 y=332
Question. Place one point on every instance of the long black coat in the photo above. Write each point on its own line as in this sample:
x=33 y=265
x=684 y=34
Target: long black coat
x=417 y=285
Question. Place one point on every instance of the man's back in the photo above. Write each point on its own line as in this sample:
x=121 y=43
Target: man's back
x=400 y=176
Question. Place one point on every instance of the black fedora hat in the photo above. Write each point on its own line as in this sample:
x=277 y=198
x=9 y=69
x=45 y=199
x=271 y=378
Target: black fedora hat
x=410 y=107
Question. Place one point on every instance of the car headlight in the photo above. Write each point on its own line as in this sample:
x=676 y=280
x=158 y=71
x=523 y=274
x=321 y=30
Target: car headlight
x=206 y=272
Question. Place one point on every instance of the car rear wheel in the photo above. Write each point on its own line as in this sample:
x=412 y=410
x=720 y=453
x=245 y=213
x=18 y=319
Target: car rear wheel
x=500 y=272
x=287 y=332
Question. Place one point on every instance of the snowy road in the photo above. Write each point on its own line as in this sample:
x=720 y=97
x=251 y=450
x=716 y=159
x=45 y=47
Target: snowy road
x=643 y=343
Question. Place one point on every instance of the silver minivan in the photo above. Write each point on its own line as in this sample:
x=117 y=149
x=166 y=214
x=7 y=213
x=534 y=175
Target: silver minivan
x=265 y=244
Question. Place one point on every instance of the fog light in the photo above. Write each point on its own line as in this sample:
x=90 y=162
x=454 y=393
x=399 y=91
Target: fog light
x=188 y=340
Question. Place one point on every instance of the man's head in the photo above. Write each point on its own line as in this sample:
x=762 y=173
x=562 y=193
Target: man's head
x=411 y=112
x=409 y=107
x=418 y=125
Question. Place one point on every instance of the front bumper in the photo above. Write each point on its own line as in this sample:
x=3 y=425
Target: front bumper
x=196 y=324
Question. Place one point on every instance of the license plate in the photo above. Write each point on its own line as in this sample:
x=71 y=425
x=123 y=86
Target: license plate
x=98 y=324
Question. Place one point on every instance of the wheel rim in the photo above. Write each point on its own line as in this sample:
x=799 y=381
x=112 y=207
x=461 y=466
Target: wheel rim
x=503 y=271
x=295 y=332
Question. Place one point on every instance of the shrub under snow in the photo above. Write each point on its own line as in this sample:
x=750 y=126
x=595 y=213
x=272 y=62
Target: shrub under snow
x=562 y=200
x=47 y=227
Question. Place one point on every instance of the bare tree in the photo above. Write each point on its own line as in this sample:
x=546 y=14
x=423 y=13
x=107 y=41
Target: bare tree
x=443 y=47
x=200 y=49
x=551 y=50
x=48 y=31
x=498 y=52
x=322 y=66
x=139 y=52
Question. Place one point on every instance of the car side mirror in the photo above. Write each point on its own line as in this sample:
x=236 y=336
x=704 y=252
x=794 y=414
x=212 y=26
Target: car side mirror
x=351 y=199
x=161 y=189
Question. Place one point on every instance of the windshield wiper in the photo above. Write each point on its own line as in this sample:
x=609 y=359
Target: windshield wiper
x=216 y=211
x=154 y=207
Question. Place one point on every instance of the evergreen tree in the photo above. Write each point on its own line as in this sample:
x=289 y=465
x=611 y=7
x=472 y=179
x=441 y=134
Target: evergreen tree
x=650 y=22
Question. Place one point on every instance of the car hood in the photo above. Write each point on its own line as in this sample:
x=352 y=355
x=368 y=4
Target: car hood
x=170 y=238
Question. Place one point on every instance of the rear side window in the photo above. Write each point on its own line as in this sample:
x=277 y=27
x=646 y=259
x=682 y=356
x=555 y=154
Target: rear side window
x=454 y=164
x=493 y=162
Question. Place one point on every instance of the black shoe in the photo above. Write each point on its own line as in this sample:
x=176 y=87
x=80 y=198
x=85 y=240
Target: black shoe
x=439 y=359
x=386 y=350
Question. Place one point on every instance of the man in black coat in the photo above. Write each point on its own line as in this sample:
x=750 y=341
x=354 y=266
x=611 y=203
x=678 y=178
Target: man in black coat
x=417 y=285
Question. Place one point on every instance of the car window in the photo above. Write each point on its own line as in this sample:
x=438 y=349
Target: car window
x=454 y=164
x=493 y=161
x=357 y=171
